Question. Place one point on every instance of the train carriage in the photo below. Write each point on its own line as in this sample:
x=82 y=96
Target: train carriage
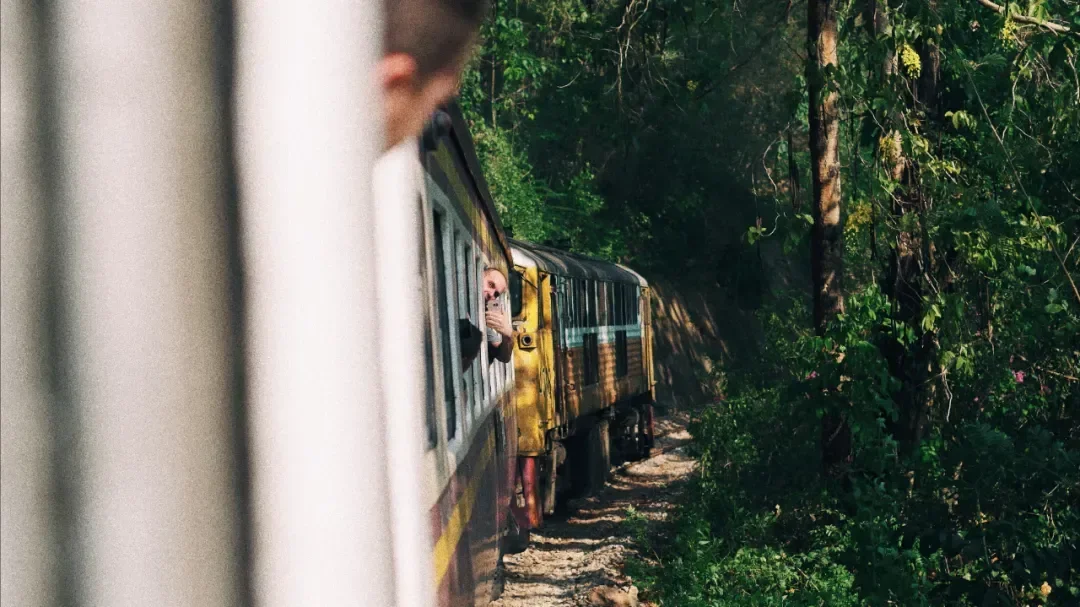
x=585 y=386
x=470 y=416
x=227 y=316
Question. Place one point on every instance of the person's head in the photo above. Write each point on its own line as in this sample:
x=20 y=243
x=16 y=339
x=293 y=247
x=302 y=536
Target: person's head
x=494 y=283
x=426 y=47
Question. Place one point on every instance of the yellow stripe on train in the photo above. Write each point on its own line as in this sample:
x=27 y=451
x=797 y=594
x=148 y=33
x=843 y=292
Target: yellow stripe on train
x=459 y=518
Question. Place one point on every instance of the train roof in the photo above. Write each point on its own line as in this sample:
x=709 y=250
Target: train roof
x=554 y=261
x=461 y=142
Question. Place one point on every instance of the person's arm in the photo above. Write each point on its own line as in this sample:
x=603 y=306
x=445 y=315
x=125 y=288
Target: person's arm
x=500 y=322
x=502 y=351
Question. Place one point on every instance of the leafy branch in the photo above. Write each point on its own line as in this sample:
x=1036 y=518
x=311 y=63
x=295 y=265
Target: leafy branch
x=1050 y=25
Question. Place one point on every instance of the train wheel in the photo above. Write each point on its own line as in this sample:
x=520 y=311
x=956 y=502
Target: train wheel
x=594 y=463
x=516 y=539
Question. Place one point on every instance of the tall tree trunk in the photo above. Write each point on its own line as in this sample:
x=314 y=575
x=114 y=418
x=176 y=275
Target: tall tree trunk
x=826 y=244
x=826 y=240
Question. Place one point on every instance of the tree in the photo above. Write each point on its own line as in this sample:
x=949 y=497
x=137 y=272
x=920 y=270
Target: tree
x=826 y=239
x=826 y=244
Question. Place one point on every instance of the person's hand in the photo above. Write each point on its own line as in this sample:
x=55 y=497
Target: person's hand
x=497 y=320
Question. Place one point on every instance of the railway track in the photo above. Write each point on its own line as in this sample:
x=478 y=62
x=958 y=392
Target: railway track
x=571 y=557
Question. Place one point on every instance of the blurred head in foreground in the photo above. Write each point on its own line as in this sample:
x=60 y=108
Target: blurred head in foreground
x=427 y=45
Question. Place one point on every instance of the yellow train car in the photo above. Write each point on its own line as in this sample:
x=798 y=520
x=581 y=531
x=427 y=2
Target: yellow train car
x=584 y=384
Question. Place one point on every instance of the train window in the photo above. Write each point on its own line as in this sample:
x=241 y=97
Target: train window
x=601 y=304
x=429 y=370
x=591 y=355
x=515 y=294
x=430 y=332
x=572 y=314
x=609 y=303
x=479 y=371
x=593 y=304
x=442 y=302
x=635 y=311
x=621 y=360
x=582 y=303
x=618 y=299
x=579 y=303
x=465 y=312
x=571 y=310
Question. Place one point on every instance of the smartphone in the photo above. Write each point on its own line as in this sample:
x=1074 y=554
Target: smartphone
x=492 y=334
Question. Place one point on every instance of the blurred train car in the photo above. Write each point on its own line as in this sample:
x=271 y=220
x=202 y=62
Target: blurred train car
x=231 y=369
x=471 y=420
x=585 y=386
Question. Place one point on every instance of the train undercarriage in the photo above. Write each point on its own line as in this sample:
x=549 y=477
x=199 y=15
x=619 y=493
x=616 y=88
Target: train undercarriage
x=577 y=463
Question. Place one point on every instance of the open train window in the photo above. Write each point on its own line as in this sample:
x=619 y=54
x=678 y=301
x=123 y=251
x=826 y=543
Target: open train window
x=479 y=371
x=635 y=312
x=442 y=302
x=609 y=303
x=515 y=294
x=591 y=351
x=430 y=334
x=620 y=303
x=622 y=366
x=594 y=300
x=466 y=312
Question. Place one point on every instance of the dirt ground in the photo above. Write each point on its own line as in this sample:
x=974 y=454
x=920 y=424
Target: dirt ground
x=569 y=557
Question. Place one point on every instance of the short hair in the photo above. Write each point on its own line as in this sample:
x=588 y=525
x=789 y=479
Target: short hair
x=432 y=32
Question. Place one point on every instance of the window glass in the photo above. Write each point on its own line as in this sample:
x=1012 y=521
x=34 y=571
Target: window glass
x=593 y=301
x=442 y=302
x=621 y=359
x=515 y=294
x=591 y=354
x=465 y=308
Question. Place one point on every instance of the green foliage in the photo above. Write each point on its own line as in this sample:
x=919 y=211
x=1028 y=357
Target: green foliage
x=626 y=124
x=983 y=512
x=657 y=132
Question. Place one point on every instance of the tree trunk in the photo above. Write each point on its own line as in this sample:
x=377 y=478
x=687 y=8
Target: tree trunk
x=826 y=244
x=826 y=240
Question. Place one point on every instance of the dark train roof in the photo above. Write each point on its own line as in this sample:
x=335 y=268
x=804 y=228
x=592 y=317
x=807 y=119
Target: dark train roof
x=554 y=261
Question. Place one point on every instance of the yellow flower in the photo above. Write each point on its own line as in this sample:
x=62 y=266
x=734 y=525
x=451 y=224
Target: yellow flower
x=1045 y=589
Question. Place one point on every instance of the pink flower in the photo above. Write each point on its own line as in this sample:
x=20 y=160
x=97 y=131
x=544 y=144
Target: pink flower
x=976 y=399
x=1019 y=375
x=812 y=375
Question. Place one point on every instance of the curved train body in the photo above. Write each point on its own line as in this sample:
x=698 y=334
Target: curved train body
x=470 y=414
x=584 y=379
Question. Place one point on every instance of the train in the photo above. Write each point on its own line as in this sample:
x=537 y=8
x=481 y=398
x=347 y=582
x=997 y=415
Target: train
x=510 y=442
x=584 y=376
x=470 y=415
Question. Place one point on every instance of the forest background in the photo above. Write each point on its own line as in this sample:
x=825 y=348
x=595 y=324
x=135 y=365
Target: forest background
x=862 y=218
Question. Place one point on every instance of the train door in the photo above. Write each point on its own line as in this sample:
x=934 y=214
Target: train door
x=560 y=320
x=546 y=343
